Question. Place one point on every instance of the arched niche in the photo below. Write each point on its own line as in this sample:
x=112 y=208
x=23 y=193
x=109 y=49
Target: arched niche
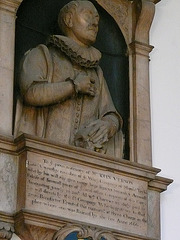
x=36 y=20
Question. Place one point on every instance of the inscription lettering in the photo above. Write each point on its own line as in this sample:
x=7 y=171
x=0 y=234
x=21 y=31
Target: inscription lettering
x=77 y=192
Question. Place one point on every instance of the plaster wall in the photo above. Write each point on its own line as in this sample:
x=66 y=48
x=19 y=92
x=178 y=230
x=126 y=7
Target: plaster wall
x=165 y=109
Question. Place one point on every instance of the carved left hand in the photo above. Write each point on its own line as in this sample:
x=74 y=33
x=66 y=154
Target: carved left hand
x=99 y=131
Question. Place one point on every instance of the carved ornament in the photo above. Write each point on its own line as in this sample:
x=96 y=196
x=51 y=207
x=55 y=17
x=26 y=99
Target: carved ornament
x=119 y=10
x=83 y=232
x=6 y=230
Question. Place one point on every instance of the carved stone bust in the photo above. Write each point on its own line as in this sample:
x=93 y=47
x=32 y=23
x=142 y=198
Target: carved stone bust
x=64 y=96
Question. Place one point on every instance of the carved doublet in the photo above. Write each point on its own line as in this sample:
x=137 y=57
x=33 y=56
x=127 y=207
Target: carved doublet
x=81 y=109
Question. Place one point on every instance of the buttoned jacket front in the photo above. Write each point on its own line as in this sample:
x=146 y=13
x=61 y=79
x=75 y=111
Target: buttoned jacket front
x=57 y=121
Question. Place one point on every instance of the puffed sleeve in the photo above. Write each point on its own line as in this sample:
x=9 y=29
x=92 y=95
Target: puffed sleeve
x=35 y=78
x=33 y=68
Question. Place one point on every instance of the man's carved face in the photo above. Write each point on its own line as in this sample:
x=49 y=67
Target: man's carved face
x=85 y=24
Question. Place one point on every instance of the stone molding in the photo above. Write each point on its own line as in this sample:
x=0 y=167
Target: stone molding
x=159 y=184
x=137 y=48
x=25 y=143
x=29 y=219
x=10 y=5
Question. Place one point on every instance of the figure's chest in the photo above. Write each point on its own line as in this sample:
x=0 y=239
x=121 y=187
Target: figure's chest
x=63 y=69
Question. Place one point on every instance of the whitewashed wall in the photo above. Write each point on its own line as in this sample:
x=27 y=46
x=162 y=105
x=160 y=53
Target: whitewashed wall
x=165 y=109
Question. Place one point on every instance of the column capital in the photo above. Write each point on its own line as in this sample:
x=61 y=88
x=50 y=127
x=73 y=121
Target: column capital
x=140 y=48
x=10 y=5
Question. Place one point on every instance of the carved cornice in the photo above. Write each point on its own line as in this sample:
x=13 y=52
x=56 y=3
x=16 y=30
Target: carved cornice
x=78 y=155
x=159 y=184
x=6 y=217
x=140 y=48
x=58 y=225
x=10 y=5
x=11 y=146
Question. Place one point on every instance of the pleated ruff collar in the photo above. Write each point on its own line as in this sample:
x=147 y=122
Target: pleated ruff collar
x=87 y=57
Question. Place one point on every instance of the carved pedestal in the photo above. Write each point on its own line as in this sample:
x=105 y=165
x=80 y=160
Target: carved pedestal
x=60 y=185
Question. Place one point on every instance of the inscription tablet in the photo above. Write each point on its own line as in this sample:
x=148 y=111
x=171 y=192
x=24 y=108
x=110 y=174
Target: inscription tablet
x=86 y=194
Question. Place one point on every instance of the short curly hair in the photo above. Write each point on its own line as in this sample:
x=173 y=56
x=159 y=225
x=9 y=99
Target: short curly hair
x=69 y=7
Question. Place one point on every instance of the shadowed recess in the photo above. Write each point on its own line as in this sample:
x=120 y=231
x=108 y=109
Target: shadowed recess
x=37 y=19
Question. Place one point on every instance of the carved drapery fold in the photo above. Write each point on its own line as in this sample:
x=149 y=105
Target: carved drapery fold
x=83 y=232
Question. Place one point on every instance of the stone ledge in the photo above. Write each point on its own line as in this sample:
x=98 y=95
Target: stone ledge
x=30 y=143
x=159 y=184
x=6 y=217
x=55 y=223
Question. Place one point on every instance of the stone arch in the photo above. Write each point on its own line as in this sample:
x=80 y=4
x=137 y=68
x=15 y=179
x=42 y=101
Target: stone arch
x=134 y=18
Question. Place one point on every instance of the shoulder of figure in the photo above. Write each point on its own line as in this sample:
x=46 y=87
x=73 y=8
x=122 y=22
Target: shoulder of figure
x=40 y=53
x=40 y=49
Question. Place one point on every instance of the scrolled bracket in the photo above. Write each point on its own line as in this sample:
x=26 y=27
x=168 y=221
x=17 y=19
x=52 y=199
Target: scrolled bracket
x=83 y=232
x=6 y=230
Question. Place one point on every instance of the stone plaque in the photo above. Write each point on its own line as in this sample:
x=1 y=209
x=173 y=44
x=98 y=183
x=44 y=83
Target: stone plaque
x=86 y=194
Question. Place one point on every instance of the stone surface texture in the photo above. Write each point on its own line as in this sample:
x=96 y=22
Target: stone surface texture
x=8 y=182
x=77 y=192
x=7 y=39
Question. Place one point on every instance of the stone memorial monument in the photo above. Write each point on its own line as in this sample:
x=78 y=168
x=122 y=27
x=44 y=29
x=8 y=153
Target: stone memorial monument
x=63 y=176
x=65 y=97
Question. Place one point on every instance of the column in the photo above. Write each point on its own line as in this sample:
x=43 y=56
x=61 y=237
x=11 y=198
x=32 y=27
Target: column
x=8 y=10
x=140 y=126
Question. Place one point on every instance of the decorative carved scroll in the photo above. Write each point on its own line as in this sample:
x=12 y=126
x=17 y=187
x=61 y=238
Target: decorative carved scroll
x=6 y=230
x=83 y=232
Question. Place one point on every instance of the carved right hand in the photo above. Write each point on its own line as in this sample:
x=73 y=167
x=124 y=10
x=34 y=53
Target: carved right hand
x=85 y=85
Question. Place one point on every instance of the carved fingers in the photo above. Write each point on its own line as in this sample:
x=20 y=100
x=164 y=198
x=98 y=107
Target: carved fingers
x=99 y=131
x=85 y=84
